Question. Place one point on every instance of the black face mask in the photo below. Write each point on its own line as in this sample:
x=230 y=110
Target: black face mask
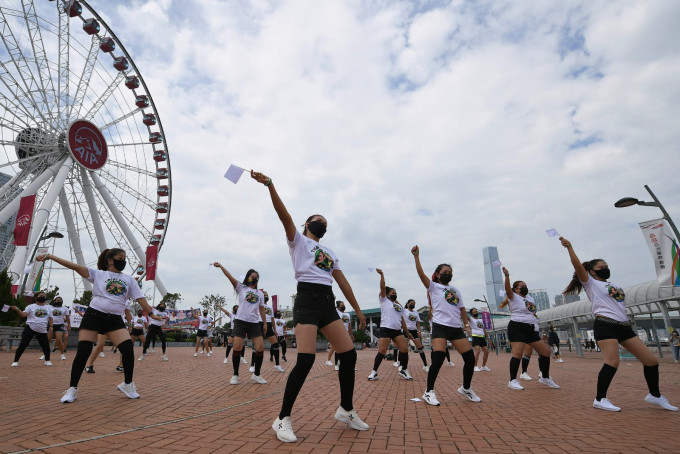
x=603 y=273
x=342 y=308
x=253 y=282
x=266 y=299
x=57 y=304
x=445 y=278
x=161 y=308
x=41 y=299
x=119 y=264
x=392 y=297
x=205 y=314
x=474 y=315
x=139 y=314
x=524 y=291
x=317 y=228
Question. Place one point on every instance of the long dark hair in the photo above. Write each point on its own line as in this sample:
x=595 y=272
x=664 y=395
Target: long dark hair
x=575 y=286
x=103 y=260
x=435 y=278
x=250 y=271
x=308 y=220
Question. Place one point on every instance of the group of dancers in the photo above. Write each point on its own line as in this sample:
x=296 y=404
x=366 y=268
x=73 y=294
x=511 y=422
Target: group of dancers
x=316 y=267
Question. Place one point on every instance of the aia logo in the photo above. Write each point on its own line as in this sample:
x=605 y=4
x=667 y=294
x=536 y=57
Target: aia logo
x=87 y=144
x=23 y=220
x=151 y=263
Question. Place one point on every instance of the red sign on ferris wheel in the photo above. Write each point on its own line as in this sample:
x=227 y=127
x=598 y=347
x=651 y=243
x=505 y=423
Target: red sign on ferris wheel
x=87 y=144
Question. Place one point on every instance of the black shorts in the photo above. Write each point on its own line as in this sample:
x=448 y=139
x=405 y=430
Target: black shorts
x=270 y=332
x=413 y=332
x=314 y=305
x=101 y=322
x=390 y=333
x=603 y=330
x=137 y=332
x=201 y=333
x=58 y=328
x=522 y=332
x=479 y=341
x=227 y=333
x=280 y=339
x=447 y=332
x=243 y=329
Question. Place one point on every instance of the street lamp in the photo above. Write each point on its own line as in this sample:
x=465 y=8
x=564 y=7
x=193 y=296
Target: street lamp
x=495 y=335
x=630 y=201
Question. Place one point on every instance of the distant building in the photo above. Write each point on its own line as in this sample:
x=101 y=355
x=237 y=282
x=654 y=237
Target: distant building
x=566 y=299
x=542 y=299
x=6 y=233
x=494 y=279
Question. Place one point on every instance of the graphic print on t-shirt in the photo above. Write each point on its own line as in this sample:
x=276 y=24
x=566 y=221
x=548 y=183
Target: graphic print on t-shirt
x=616 y=293
x=531 y=307
x=450 y=296
x=56 y=312
x=412 y=317
x=252 y=297
x=396 y=307
x=345 y=318
x=40 y=313
x=115 y=286
x=267 y=311
x=480 y=324
x=322 y=259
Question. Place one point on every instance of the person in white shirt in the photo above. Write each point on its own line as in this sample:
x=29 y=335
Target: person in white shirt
x=611 y=328
x=110 y=293
x=205 y=323
x=413 y=323
x=269 y=332
x=449 y=323
x=340 y=307
x=139 y=324
x=479 y=339
x=61 y=325
x=392 y=328
x=38 y=323
x=316 y=267
x=158 y=317
x=280 y=325
x=230 y=332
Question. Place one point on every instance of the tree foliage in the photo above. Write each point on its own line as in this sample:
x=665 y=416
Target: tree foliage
x=171 y=300
x=85 y=298
x=9 y=318
x=212 y=304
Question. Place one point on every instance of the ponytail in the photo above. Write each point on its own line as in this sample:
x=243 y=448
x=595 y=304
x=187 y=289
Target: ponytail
x=575 y=286
x=103 y=260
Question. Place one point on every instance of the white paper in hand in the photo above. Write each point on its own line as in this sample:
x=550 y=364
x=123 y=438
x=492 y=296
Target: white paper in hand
x=5 y=308
x=233 y=173
x=552 y=233
x=28 y=268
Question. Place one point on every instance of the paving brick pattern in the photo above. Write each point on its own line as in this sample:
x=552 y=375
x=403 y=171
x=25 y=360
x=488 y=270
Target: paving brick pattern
x=188 y=405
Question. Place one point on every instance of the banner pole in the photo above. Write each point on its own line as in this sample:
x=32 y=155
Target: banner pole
x=666 y=216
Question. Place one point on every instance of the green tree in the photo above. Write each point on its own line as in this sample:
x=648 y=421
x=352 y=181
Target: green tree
x=360 y=337
x=85 y=299
x=10 y=317
x=171 y=300
x=51 y=292
x=212 y=304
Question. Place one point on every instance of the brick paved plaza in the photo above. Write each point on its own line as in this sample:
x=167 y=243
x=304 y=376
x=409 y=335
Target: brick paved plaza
x=187 y=405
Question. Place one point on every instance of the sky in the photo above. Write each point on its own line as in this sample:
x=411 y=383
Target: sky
x=452 y=125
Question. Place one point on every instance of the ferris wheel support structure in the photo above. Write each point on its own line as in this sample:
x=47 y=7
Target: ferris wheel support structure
x=73 y=235
x=94 y=212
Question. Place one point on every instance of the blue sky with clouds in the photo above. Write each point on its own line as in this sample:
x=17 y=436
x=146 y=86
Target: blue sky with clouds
x=451 y=125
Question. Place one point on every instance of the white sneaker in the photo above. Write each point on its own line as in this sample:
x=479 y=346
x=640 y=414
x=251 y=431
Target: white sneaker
x=202 y=352
x=153 y=350
x=243 y=360
x=69 y=395
x=195 y=355
x=329 y=363
x=470 y=394
x=485 y=368
x=430 y=398
x=279 y=368
x=405 y=374
x=48 y=363
x=604 y=404
x=540 y=374
x=101 y=355
x=164 y=357
x=350 y=418
x=559 y=360
x=525 y=376
x=226 y=361
x=141 y=358
x=209 y=354
x=251 y=369
x=63 y=357
x=15 y=364
x=234 y=380
x=396 y=364
x=129 y=390
x=549 y=381
x=514 y=384
x=661 y=402
x=42 y=358
x=258 y=379
x=477 y=369
x=373 y=376
x=338 y=367
x=284 y=430
x=451 y=364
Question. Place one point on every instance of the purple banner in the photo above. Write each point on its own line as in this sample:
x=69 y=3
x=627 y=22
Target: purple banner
x=486 y=319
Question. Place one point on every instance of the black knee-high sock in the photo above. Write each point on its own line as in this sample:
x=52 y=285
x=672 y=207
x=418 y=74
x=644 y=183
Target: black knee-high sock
x=514 y=367
x=525 y=363
x=403 y=360
x=83 y=352
x=229 y=347
x=296 y=379
x=128 y=356
x=437 y=361
x=423 y=357
x=378 y=359
x=259 y=356
x=604 y=379
x=275 y=351
x=468 y=368
x=544 y=366
x=283 y=348
x=395 y=352
x=252 y=359
x=236 y=360
x=652 y=377
x=346 y=377
x=335 y=357
x=448 y=355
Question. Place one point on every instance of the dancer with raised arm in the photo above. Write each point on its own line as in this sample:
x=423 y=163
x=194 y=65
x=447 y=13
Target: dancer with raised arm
x=39 y=322
x=316 y=266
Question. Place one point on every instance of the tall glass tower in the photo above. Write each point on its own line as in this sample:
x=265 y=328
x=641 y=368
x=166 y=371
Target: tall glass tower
x=494 y=279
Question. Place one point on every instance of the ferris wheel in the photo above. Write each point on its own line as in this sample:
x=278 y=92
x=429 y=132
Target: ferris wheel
x=79 y=129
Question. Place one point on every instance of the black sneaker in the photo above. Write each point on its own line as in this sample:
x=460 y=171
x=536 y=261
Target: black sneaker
x=89 y=369
x=271 y=360
x=119 y=368
x=284 y=358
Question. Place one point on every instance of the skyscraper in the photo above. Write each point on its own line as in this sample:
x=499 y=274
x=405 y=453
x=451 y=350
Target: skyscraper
x=6 y=233
x=542 y=299
x=566 y=299
x=494 y=279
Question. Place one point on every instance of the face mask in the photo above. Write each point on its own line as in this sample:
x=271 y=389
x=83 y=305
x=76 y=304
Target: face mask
x=252 y=281
x=603 y=273
x=392 y=297
x=342 y=308
x=205 y=314
x=445 y=278
x=317 y=228
x=139 y=314
x=41 y=299
x=161 y=308
x=524 y=291
x=474 y=315
x=266 y=299
x=119 y=264
x=58 y=304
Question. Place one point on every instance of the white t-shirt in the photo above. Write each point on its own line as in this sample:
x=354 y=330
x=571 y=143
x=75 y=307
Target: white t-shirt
x=138 y=321
x=312 y=262
x=205 y=322
x=268 y=313
x=344 y=317
x=110 y=291
x=38 y=317
x=522 y=309
x=59 y=314
x=249 y=302
x=391 y=313
x=477 y=326
x=279 y=324
x=412 y=319
x=157 y=313
x=446 y=304
x=609 y=300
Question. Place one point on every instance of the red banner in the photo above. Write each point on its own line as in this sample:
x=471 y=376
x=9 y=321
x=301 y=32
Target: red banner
x=151 y=259
x=22 y=226
x=275 y=302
